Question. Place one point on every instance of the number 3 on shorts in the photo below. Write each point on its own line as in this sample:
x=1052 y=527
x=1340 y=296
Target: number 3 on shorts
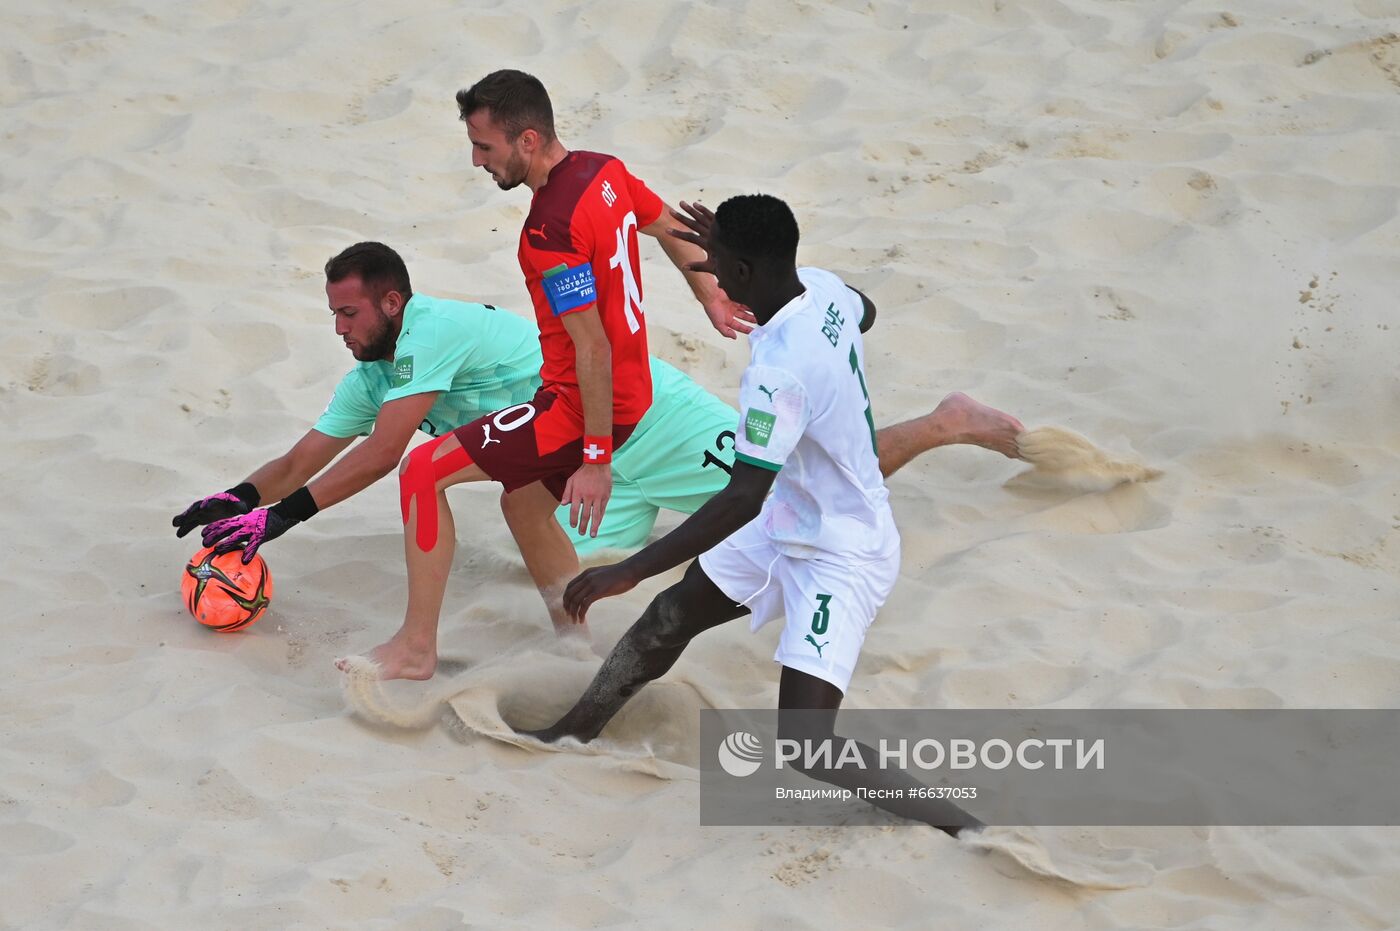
x=823 y=616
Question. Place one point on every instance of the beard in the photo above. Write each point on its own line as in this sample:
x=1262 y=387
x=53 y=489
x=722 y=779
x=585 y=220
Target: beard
x=513 y=175
x=381 y=344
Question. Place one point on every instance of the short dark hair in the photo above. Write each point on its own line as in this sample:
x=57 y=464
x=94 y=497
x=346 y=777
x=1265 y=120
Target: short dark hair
x=758 y=226
x=517 y=101
x=379 y=267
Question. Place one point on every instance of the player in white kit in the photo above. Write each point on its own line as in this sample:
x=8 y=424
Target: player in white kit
x=821 y=551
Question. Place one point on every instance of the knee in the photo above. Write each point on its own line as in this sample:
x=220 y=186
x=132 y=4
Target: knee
x=664 y=624
x=525 y=512
x=418 y=459
x=411 y=484
x=817 y=745
x=804 y=727
x=512 y=507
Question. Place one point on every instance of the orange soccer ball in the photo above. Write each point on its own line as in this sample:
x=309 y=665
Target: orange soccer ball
x=222 y=593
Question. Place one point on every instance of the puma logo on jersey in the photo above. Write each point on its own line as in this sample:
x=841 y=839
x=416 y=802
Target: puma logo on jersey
x=536 y=232
x=813 y=641
x=487 y=439
x=769 y=393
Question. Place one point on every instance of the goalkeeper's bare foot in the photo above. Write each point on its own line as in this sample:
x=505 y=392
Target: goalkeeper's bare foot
x=400 y=658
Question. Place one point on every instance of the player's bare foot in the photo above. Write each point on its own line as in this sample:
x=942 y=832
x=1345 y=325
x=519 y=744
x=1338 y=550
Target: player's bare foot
x=548 y=735
x=977 y=423
x=398 y=658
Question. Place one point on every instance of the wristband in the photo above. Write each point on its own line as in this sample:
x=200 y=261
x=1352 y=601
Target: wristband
x=298 y=506
x=245 y=492
x=597 y=449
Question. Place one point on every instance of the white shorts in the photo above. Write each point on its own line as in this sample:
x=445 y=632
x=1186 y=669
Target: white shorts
x=828 y=605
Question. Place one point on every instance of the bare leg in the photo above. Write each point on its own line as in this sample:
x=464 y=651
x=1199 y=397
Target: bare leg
x=652 y=645
x=807 y=708
x=807 y=704
x=545 y=547
x=412 y=652
x=958 y=419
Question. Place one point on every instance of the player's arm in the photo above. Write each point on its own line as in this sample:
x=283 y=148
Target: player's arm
x=737 y=504
x=589 y=489
x=683 y=255
x=288 y=472
x=357 y=470
x=378 y=455
x=728 y=318
x=272 y=481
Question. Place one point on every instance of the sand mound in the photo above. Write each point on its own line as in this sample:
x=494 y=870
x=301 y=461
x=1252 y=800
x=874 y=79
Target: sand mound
x=1064 y=855
x=1065 y=459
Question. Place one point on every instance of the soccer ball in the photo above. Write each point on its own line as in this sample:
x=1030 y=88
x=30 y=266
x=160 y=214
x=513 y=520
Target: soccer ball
x=222 y=593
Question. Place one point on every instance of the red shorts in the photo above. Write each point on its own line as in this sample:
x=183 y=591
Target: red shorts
x=538 y=441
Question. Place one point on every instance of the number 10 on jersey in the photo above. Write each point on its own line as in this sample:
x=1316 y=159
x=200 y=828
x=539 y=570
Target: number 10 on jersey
x=622 y=258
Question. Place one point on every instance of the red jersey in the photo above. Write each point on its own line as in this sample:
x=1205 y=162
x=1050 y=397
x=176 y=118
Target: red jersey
x=578 y=248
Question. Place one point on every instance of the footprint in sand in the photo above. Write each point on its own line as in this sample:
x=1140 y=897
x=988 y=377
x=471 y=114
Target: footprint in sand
x=531 y=686
x=540 y=667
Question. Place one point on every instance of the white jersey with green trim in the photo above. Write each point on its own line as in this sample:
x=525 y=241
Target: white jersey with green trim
x=804 y=411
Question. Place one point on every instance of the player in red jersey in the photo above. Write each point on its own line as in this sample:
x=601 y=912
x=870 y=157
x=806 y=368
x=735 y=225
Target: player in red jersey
x=578 y=250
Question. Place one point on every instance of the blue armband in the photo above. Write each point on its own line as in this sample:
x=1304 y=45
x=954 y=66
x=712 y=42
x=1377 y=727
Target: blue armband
x=568 y=289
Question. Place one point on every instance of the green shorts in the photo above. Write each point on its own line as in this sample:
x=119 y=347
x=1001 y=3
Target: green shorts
x=678 y=458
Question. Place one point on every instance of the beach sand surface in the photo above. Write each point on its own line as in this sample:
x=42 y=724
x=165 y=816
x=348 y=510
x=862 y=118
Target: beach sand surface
x=1168 y=226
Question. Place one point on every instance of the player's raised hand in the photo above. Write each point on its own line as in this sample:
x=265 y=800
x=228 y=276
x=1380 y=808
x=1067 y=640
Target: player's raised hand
x=587 y=494
x=229 y=503
x=593 y=584
x=699 y=221
x=728 y=317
